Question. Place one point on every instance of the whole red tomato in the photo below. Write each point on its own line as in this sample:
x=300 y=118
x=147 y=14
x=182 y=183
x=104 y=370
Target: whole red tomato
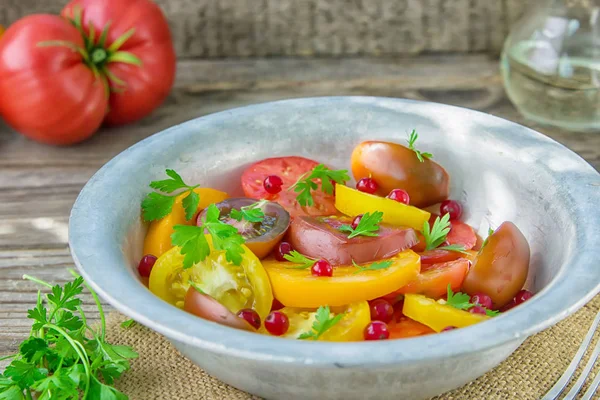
x=103 y=60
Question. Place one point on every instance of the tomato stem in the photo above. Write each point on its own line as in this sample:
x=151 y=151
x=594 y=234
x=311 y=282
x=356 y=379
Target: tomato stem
x=98 y=55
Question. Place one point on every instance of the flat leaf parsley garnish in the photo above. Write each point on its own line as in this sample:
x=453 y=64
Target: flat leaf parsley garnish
x=323 y=322
x=306 y=184
x=374 y=266
x=462 y=301
x=436 y=235
x=64 y=357
x=156 y=205
x=368 y=225
x=412 y=138
x=195 y=247
x=252 y=213
x=485 y=242
x=297 y=258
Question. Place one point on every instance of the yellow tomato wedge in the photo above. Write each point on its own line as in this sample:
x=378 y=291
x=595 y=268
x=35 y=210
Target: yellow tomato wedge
x=158 y=238
x=438 y=316
x=353 y=202
x=299 y=288
x=235 y=287
x=349 y=329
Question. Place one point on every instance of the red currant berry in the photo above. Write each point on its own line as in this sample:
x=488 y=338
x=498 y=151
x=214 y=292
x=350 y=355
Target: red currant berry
x=522 y=296
x=399 y=195
x=356 y=221
x=482 y=299
x=281 y=250
x=367 y=185
x=376 y=330
x=451 y=207
x=146 y=264
x=322 y=268
x=273 y=184
x=277 y=323
x=381 y=310
x=250 y=316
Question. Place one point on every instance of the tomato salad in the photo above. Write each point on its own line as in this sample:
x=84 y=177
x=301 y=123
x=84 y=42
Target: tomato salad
x=305 y=256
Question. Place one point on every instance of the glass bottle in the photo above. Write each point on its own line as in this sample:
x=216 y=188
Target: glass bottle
x=551 y=64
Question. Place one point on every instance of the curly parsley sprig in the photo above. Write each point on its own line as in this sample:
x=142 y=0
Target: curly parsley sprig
x=195 y=247
x=368 y=225
x=156 y=205
x=323 y=322
x=64 y=357
x=412 y=138
x=306 y=183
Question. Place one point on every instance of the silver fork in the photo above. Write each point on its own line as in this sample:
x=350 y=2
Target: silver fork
x=560 y=385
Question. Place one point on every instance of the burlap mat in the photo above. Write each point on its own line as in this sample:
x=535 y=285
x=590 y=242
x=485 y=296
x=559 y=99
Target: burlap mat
x=161 y=372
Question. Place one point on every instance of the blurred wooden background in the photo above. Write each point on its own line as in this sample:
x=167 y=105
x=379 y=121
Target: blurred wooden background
x=249 y=28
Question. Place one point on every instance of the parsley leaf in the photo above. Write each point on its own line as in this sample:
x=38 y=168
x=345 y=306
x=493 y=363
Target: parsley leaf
x=252 y=213
x=454 y=247
x=305 y=184
x=368 y=225
x=374 y=266
x=412 y=138
x=192 y=241
x=33 y=349
x=485 y=242
x=491 y=313
x=156 y=206
x=60 y=298
x=462 y=301
x=323 y=322
x=25 y=374
x=194 y=245
x=437 y=234
x=128 y=323
x=297 y=258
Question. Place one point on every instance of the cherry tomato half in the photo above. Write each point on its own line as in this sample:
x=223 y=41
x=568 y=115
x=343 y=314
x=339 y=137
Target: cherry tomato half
x=436 y=315
x=289 y=169
x=235 y=287
x=299 y=288
x=394 y=166
x=500 y=270
x=261 y=237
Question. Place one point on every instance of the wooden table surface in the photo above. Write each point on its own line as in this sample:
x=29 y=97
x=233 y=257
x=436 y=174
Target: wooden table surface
x=38 y=184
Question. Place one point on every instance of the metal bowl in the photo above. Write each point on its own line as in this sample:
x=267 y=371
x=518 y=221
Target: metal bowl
x=499 y=170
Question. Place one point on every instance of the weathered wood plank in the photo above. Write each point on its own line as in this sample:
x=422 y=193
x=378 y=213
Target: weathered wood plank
x=250 y=28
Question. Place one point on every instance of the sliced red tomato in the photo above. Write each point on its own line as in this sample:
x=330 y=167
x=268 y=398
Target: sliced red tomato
x=461 y=234
x=438 y=256
x=289 y=169
x=434 y=279
x=407 y=327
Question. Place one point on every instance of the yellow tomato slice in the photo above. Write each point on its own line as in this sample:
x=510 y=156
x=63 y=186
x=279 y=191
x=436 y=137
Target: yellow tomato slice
x=349 y=329
x=158 y=238
x=438 y=316
x=299 y=288
x=235 y=287
x=353 y=202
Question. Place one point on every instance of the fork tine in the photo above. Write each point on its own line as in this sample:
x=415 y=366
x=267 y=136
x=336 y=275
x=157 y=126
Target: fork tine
x=584 y=374
x=592 y=389
x=560 y=385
